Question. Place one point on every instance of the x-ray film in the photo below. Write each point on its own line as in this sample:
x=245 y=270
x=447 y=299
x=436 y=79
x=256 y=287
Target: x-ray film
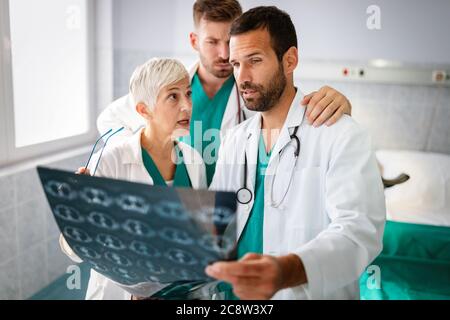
x=136 y=233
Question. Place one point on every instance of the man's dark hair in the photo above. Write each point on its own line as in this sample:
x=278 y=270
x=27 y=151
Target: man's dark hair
x=277 y=22
x=216 y=10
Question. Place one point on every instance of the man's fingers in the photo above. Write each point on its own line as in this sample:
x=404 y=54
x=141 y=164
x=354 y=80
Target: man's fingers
x=319 y=107
x=235 y=269
x=307 y=98
x=249 y=295
x=326 y=114
x=336 y=116
x=247 y=283
x=251 y=256
x=83 y=170
x=317 y=96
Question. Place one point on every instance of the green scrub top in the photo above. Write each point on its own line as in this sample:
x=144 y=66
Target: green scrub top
x=181 y=178
x=251 y=240
x=207 y=114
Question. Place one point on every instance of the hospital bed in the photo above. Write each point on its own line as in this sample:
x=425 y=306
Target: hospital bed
x=415 y=261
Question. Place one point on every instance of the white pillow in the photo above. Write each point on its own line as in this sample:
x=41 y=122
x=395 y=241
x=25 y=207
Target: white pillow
x=425 y=197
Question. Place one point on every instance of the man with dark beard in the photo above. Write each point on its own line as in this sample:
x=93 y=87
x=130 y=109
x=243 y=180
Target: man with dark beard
x=216 y=103
x=311 y=209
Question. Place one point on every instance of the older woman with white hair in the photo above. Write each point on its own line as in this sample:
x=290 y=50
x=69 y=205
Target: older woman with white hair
x=162 y=94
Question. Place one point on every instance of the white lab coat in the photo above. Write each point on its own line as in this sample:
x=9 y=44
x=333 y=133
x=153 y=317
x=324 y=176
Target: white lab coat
x=123 y=161
x=333 y=215
x=122 y=113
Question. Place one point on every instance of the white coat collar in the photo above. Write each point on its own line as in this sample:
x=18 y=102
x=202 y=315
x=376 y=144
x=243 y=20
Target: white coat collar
x=132 y=149
x=293 y=119
x=193 y=70
x=253 y=132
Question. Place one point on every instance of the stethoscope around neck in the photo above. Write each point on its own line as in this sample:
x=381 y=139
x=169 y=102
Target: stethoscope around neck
x=244 y=195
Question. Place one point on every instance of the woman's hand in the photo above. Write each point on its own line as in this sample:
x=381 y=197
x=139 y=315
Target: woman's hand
x=84 y=171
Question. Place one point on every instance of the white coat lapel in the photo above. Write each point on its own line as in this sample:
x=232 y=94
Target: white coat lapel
x=293 y=119
x=231 y=115
x=193 y=70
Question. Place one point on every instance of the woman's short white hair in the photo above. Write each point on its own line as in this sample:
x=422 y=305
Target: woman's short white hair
x=148 y=79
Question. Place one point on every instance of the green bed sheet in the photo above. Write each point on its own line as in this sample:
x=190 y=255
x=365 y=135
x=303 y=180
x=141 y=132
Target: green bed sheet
x=414 y=264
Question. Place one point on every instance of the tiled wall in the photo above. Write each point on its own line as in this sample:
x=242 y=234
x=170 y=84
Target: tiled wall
x=30 y=257
x=407 y=117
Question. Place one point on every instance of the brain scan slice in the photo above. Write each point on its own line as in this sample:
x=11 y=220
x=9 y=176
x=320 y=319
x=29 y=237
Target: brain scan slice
x=118 y=259
x=180 y=256
x=218 y=216
x=136 y=227
x=133 y=203
x=94 y=196
x=151 y=266
x=77 y=235
x=60 y=190
x=144 y=249
x=87 y=253
x=171 y=210
x=176 y=235
x=110 y=242
x=100 y=267
x=102 y=220
x=68 y=214
x=185 y=274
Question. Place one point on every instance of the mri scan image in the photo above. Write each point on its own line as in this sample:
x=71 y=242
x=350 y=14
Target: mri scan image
x=135 y=233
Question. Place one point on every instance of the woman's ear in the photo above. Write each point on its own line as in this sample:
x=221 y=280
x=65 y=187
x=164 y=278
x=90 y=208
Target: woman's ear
x=144 y=111
x=290 y=60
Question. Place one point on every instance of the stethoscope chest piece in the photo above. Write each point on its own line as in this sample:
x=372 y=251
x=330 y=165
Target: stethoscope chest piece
x=244 y=195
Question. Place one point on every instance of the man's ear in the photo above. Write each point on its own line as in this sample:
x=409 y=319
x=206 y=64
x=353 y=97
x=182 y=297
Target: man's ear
x=290 y=60
x=193 y=37
x=144 y=111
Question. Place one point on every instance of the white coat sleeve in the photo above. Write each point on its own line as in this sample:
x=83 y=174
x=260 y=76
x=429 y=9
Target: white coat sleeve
x=355 y=204
x=65 y=248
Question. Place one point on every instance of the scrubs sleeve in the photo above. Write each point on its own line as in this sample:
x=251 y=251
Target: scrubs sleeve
x=355 y=204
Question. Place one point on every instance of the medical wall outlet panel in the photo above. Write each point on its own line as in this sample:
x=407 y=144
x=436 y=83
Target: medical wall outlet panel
x=136 y=233
x=374 y=71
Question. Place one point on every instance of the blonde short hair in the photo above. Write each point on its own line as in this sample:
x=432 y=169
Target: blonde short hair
x=149 y=78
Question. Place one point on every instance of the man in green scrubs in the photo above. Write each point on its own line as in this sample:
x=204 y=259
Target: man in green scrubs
x=213 y=83
x=209 y=114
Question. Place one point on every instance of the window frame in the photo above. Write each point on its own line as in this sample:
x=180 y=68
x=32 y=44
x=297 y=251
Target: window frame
x=9 y=153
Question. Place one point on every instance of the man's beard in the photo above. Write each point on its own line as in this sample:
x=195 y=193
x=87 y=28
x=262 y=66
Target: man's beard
x=269 y=97
x=218 y=73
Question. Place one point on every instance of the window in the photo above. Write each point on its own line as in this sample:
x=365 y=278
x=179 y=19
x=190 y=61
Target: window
x=47 y=77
